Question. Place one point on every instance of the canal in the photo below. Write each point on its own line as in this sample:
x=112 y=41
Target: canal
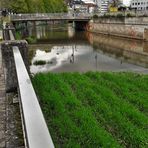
x=59 y=48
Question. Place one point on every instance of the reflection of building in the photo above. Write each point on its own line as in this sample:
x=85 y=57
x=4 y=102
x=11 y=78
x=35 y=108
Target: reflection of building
x=139 y=4
x=133 y=51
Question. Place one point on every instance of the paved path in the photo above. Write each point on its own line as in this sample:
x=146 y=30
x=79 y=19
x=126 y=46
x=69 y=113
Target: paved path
x=2 y=105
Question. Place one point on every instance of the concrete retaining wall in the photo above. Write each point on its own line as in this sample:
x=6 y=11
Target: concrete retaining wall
x=135 y=28
x=8 y=60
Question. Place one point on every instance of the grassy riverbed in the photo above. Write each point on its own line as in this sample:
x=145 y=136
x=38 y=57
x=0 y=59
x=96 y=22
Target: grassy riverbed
x=95 y=109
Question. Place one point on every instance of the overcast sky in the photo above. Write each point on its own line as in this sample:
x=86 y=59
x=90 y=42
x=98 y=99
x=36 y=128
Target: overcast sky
x=126 y=2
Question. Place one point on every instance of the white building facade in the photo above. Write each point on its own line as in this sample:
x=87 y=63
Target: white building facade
x=102 y=5
x=139 y=4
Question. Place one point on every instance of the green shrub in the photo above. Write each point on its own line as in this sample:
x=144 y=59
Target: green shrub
x=95 y=16
x=119 y=15
x=106 y=16
x=129 y=15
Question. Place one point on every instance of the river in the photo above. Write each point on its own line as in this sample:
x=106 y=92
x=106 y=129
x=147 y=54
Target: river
x=62 y=49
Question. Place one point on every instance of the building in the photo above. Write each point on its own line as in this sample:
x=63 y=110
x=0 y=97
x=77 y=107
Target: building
x=104 y=4
x=83 y=6
x=139 y=4
x=90 y=5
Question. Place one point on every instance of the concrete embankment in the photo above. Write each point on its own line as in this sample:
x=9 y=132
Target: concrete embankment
x=135 y=28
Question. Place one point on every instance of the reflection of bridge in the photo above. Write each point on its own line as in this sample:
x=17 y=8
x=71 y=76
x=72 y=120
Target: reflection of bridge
x=51 y=17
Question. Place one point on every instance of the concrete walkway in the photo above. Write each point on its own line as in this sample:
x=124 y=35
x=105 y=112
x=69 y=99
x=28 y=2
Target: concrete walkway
x=2 y=105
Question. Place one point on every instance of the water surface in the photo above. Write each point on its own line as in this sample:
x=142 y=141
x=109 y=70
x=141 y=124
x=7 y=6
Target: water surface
x=66 y=50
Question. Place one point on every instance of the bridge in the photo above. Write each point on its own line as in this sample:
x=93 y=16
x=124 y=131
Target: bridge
x=50 y=17
x=80 y=19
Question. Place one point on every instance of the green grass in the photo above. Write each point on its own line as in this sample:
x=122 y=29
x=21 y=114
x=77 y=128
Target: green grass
x=95 y=109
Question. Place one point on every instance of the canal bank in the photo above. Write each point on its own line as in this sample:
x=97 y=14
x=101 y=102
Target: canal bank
x=131 y=27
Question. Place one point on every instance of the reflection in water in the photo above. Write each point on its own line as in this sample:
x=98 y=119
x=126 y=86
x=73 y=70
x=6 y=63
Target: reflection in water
x=80 y=51
x=71 y=31
x=133 y=51
x=58 y=56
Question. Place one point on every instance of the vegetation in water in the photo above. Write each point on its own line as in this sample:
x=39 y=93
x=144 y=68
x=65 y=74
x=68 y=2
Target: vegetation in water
x=35 y=6
x=95 y=109
x=39 y=62
x=31 y=39
x=18 y=35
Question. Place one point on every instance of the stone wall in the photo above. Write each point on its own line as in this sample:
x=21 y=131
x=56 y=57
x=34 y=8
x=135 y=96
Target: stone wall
x=8 y=60
x=135 y=28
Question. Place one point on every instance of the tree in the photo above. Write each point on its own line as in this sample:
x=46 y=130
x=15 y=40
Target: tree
x=48 y=6
x=18 y=6
x=39 y=6
x=29 y=4
x=33 y=6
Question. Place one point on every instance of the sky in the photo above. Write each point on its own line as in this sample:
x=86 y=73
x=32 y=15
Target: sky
x=126 y=2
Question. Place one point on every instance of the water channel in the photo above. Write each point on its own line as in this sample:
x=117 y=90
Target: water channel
x=62 y=49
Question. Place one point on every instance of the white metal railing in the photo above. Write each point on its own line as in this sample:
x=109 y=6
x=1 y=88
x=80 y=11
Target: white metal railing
x=36 y=134
x=35 y=128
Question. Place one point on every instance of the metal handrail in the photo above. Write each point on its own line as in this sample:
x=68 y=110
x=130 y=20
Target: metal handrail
x=35 y=128
x=36 y=134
